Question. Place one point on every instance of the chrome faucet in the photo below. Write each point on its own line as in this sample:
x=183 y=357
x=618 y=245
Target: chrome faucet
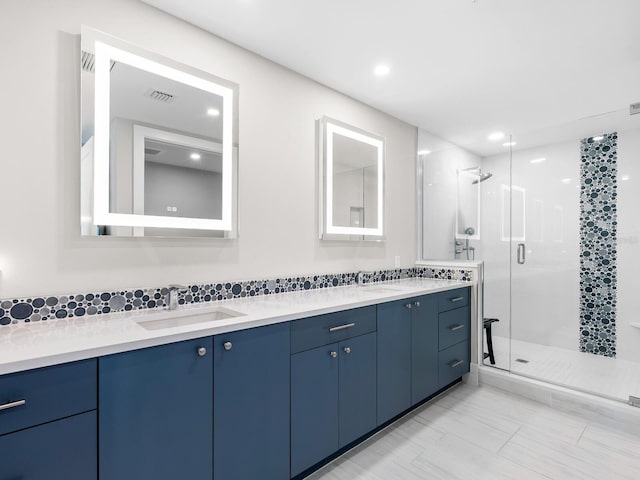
x=172 y=296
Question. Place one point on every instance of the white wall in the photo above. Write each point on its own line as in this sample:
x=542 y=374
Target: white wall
x=41 y=251
x=628 y=245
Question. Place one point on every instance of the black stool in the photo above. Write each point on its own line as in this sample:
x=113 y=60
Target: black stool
x=486 y=323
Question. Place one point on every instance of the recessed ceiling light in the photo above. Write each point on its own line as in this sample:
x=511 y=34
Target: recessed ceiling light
x=598 y=138
x=213 y=112
x=195 y=156
x=496 y=136
x=381 y=70
x=625 y=177
x=509 y=144
x=537 y=160
x=566 y=180
x=424 y=152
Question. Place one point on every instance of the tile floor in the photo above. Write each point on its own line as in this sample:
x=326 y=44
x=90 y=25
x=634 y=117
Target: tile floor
x=609 y=377
x=478 y=433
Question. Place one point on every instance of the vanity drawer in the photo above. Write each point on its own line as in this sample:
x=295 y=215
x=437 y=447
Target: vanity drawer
x=453 y=299
x=453 y=363
x=312 y=332
x=39 y=396
x=453 y=327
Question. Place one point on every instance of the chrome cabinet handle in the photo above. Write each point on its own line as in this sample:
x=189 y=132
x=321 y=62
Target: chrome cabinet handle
x=456 y=299
x=522 y=255
x=456 y=363
x=456 y=327
x=342 y=327
x=417 y=304
x=202 y=352
x=333 y=354
x=347 y=349
x=227 y=346
x=9 y=405
x=408 y=305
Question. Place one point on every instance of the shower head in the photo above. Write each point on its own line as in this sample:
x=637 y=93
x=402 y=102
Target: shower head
x=482 y=177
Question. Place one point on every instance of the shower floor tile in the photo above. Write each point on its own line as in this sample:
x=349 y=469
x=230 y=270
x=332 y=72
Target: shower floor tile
x=609 y=377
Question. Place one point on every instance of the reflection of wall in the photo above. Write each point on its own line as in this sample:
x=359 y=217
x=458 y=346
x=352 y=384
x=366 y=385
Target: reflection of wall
x=195 y=193
x=347 y=193
x=359 y=189
x=278 y=220
x=439 y=196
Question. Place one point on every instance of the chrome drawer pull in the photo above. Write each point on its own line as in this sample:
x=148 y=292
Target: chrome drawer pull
x=456 y=327
x=456 y=363
x=408 y=305
x=342 y=327
x=456 y=299
x=7 y=406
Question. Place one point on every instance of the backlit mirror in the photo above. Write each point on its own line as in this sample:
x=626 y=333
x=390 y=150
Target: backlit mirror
x=351 y=180
x=159 y=144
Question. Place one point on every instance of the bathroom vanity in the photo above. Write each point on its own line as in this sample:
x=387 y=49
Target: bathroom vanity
x=272 y=393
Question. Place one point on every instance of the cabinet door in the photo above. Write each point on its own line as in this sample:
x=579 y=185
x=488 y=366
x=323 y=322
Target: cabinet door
x=61 y=450
x=424 y=348
x=314 y=406
x=357 y=387
x=251 y=404
x=155 y=413
x=394 y=358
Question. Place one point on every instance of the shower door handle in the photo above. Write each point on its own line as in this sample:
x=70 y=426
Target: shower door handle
x=522 y=256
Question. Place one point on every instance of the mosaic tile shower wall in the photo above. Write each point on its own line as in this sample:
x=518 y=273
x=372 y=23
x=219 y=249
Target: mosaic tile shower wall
x=598 y=236
x=53 y=307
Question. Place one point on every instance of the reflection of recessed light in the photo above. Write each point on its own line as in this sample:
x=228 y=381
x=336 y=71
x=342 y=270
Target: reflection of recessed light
x=597 y=139
x=624 y=177
x=566 y=180
x=509 y=144
x=424 y=152
x=496 y=136
x=195 y=156
x=381 y=70
x=213 y=112
x=537 y=160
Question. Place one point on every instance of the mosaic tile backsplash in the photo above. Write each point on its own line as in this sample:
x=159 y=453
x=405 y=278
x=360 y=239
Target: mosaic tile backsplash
x=598 y=244
x=97 y=303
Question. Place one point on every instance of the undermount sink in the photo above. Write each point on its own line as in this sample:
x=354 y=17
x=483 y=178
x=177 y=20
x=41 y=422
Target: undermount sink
x=218 y=313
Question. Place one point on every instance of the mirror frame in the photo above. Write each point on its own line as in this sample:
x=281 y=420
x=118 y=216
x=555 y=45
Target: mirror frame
x=105 y=52
x=327 y=127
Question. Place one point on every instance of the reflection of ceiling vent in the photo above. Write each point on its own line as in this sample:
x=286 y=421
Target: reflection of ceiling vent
x=151 y=151
x=160 y=96
x=88 y=62
x=634 y=108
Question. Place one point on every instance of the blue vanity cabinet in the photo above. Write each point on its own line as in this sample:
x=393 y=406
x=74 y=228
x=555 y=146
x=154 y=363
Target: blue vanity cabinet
x=454 y=325
x=61 y=450
x=315 y=406
x=333 y=386
x=357 y=386
x=424 y=347
x=155 y=415
x=394 y=359
x=48 y=426
x=251 y=375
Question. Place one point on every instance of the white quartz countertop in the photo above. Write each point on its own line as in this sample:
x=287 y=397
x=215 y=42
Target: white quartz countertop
x=25 y=346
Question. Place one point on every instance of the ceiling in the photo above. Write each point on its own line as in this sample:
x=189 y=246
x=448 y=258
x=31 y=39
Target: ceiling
x=460 y=69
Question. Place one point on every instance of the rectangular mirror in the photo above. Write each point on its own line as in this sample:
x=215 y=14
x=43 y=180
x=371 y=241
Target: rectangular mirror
x=351 y=182
x=159 y=144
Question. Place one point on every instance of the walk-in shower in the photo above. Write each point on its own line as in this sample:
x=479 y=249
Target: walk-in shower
x=556 y=226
